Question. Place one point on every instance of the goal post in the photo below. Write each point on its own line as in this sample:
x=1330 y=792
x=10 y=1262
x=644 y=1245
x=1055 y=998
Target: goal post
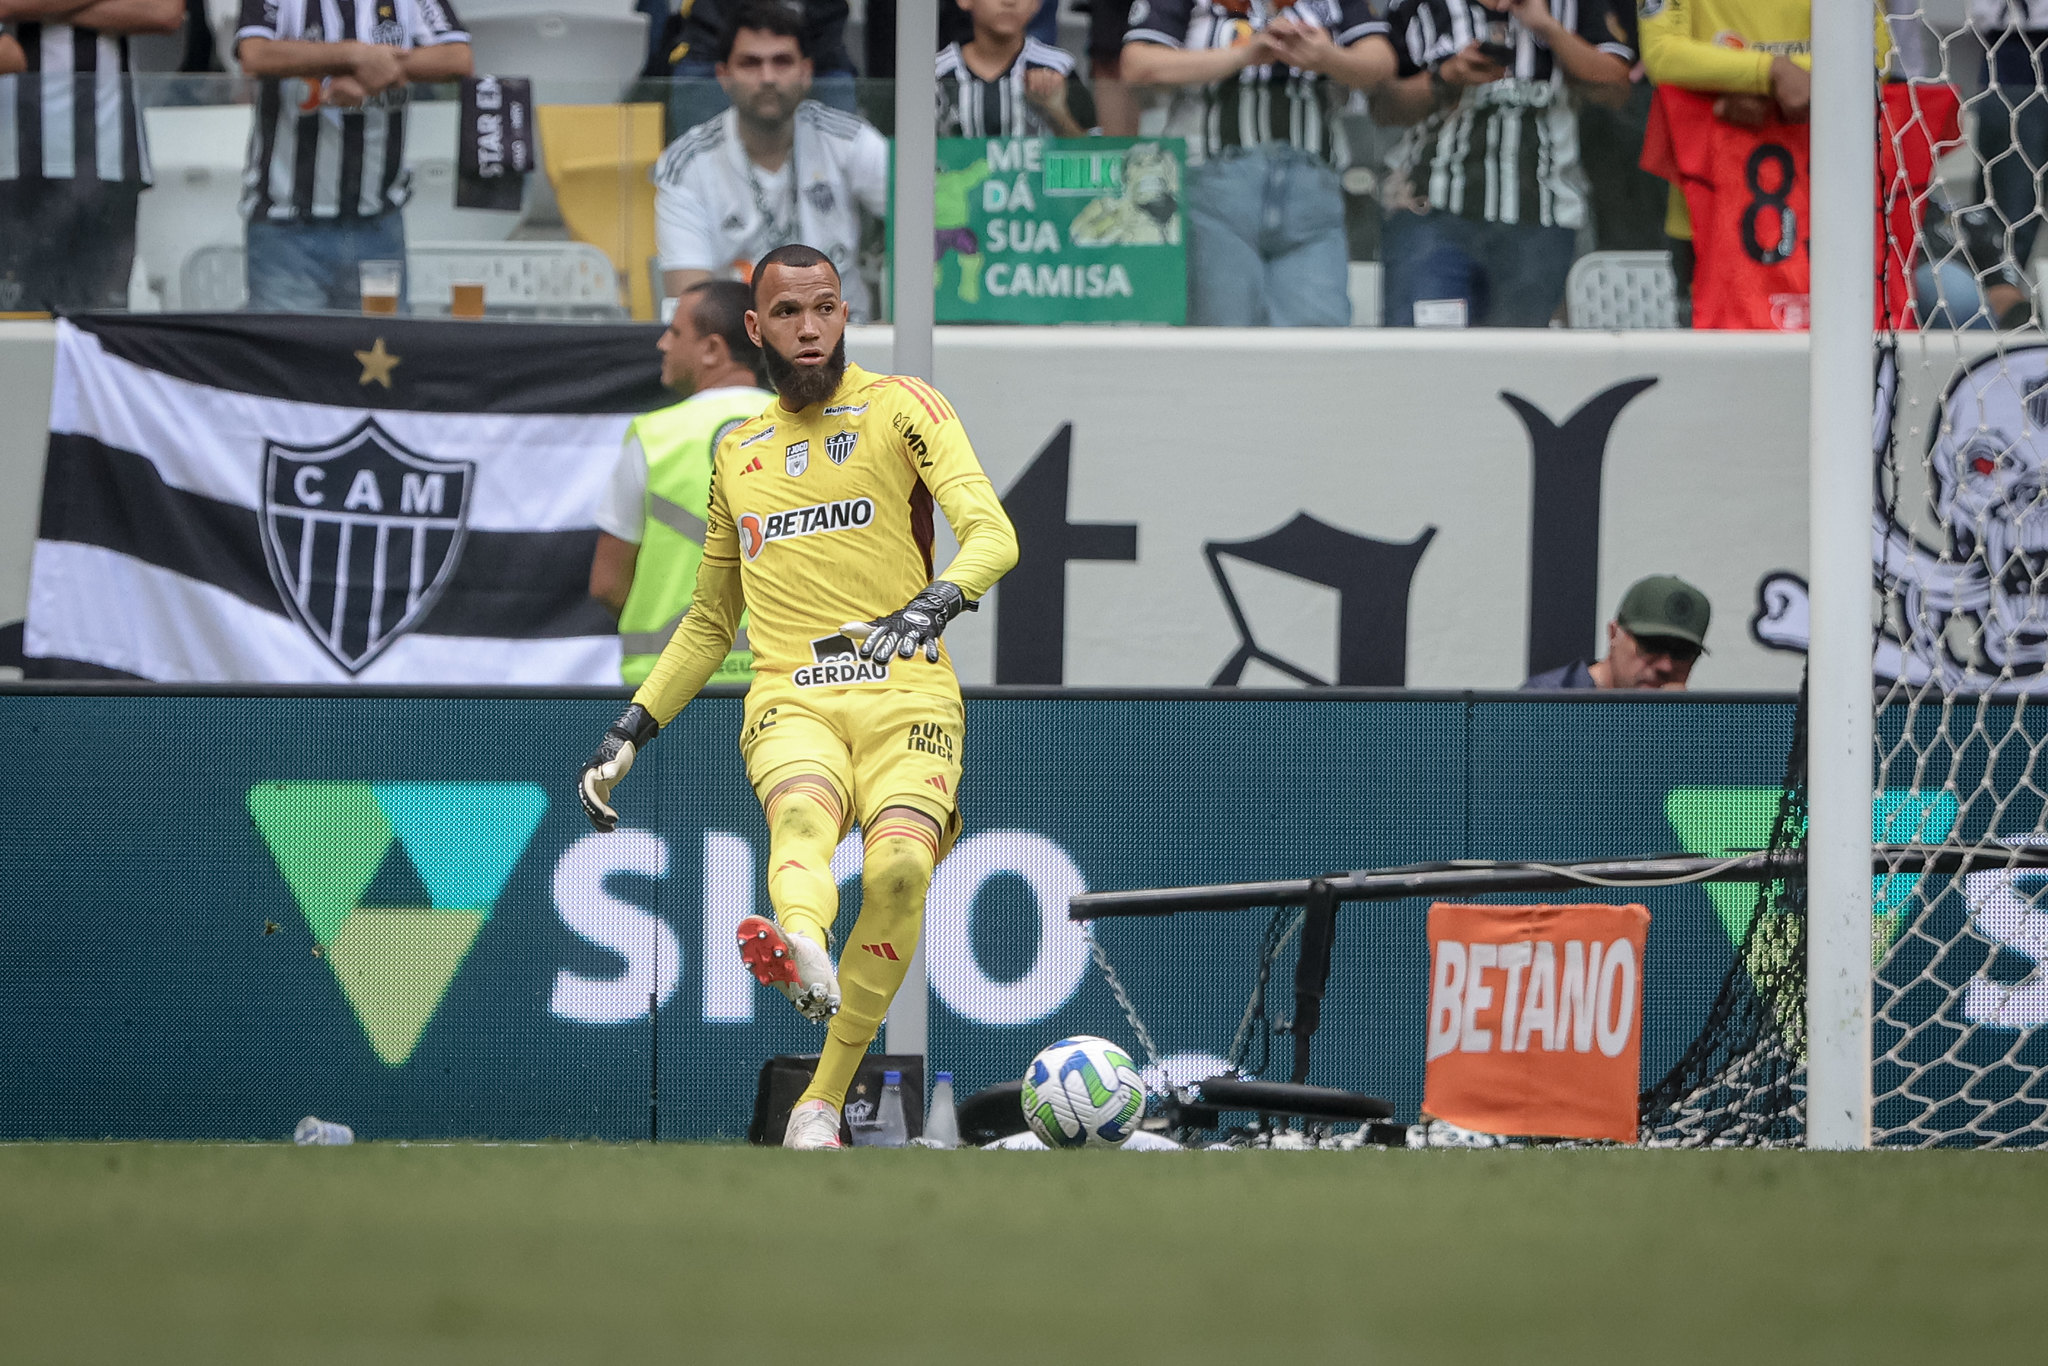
x=1841 y=722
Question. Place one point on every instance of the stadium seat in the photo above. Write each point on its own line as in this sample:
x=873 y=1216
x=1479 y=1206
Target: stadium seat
x=1622 y=290
x=597 y=158
x=213 y=280
x=573 y=55
x=520 y=279
x=1365 y=278
x=197 y=153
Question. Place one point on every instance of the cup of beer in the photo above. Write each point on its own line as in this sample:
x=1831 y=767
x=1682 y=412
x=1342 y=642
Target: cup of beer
x=379 y=282
x=466 y=299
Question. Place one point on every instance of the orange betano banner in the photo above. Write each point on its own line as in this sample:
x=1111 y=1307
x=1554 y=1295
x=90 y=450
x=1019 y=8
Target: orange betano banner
x=1535 y=1019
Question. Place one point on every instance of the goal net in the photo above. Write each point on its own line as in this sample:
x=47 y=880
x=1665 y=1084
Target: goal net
x=1959 y=566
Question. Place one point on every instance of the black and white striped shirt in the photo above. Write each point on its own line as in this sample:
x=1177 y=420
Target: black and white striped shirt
x=1260 y=104
x=72 y=114
x=313 y=160
x=1507 y=152
x=970 y=107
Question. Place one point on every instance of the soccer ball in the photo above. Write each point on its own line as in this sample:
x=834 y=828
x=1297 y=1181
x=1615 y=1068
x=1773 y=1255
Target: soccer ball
x=1083 y=1092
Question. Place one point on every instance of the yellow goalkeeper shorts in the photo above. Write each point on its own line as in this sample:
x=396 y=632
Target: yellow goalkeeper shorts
x=880 y=747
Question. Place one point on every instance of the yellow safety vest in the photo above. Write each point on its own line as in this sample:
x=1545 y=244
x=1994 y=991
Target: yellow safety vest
x=679 y=442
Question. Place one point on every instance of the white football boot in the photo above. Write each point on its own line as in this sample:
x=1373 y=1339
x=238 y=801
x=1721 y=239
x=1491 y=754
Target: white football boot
x=794 y=964
x=813 y=1127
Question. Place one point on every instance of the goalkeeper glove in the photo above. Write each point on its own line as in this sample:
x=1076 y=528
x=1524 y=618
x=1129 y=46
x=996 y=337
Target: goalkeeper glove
x=629 y=735
x=914 y=626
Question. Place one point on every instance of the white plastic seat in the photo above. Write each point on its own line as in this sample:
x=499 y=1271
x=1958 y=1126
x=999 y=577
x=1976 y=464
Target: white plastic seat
x=1622 y=290
x=520 y=279
x=197 y=153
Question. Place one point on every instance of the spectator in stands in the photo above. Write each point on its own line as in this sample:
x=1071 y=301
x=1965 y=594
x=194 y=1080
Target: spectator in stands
x=1653 y=641
x=1965 y=276
x=956 y=21
x=777 y=167
x=1482 y=209
x=1757 y=56
x=1116 y=108
x=69 y=188
x=1003 y=83
x=1625 y=201
x=1258 y=95
x=651 y=523
x=701 y=93
x=2012 y=113
x=326 y=173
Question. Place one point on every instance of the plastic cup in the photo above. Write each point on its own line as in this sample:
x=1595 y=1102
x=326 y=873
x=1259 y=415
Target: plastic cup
x=379 y=281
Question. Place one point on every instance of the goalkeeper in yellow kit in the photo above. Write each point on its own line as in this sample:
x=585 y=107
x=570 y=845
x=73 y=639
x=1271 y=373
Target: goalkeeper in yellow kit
x=820 y=526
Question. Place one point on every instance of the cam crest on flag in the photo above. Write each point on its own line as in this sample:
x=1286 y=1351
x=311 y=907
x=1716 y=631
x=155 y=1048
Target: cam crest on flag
x=362 y=536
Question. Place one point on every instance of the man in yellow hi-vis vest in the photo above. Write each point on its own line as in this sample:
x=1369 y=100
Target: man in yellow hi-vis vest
x=651 y=519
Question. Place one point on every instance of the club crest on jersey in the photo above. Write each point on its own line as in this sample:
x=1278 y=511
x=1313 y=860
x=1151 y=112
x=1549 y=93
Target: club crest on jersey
x=796 y=458
x=362 y=535
x=758 y=529
x=839 y=446
x=838 y=663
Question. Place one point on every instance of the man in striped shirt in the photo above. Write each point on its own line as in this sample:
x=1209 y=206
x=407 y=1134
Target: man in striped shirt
x=326 y=173
x=1004 y=83
x=73 y=158
x=1258 y=101
x=1486 y=197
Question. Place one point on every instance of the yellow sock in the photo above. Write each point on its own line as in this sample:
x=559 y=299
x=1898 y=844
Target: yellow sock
x=901 y=853
x=804 y=821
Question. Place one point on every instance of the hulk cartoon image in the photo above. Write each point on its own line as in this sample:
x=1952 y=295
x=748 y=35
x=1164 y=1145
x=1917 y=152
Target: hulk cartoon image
x=951 y=217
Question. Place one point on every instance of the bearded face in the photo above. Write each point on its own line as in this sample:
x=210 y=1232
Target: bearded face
x=803 y=385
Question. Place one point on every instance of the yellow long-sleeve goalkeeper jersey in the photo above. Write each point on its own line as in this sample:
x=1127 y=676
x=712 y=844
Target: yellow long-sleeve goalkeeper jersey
x=824 y=517
x=1726 y=46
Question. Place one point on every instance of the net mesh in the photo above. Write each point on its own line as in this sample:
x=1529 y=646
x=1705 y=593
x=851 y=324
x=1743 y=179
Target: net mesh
x=1960 y=560
x=1959 y=553
x=1742 y=1083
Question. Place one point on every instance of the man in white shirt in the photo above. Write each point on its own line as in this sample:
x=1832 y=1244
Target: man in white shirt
x=775 y=168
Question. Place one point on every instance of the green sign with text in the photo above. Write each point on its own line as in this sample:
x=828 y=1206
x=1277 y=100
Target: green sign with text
x=1060 y=230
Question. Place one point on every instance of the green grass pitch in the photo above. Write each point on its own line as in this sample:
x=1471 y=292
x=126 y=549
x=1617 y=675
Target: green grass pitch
x=143 y=1253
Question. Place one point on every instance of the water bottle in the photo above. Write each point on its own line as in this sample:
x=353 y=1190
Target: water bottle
x=890 y=1129
x=942 y=1121
x=322 y=1132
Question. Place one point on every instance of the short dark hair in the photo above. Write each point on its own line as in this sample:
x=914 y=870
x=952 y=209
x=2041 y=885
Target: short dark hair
x=718 y=308
x=784 y=18
x=795 y=255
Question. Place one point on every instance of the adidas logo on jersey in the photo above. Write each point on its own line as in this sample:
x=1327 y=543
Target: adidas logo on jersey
x=753 y=466
x=847 y=514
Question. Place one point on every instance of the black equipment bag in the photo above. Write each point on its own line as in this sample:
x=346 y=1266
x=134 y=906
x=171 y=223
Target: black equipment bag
x=784 y=1078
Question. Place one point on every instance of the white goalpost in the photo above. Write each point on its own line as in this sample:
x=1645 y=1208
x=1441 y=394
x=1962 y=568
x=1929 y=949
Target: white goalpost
x=1840 y=716
x=916 y=168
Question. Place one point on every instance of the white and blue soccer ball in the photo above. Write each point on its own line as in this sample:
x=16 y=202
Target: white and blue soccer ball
x=1083 y=1092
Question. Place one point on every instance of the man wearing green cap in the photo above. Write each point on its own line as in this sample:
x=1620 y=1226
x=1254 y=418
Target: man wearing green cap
x=1652 y=642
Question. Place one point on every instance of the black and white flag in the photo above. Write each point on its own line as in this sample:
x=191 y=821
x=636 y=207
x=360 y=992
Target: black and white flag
x=248 y=499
